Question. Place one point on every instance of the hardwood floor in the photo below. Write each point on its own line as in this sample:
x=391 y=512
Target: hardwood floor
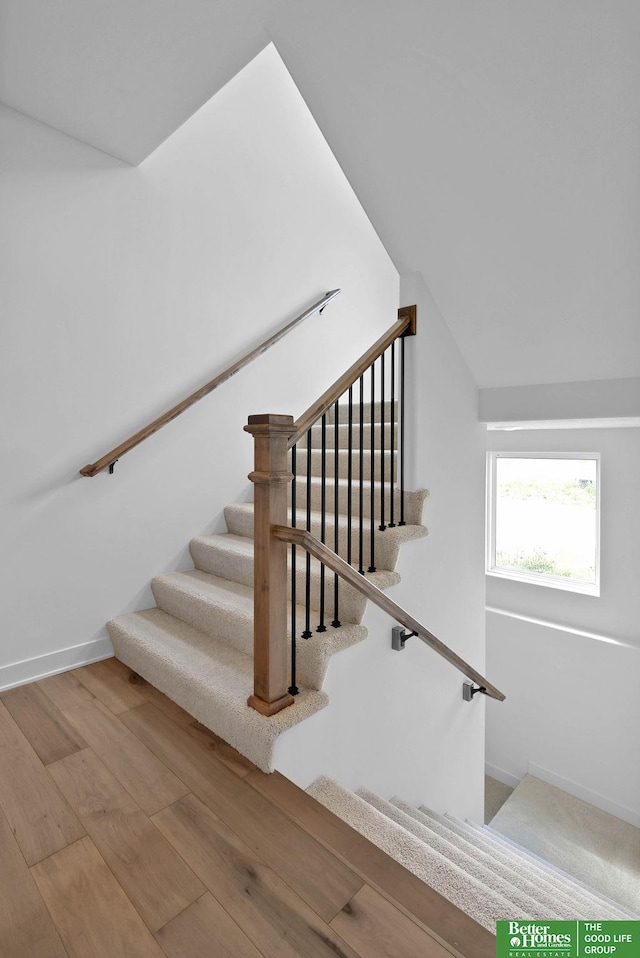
x=126 y=828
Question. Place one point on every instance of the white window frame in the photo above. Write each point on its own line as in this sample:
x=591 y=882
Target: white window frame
x=537 y=578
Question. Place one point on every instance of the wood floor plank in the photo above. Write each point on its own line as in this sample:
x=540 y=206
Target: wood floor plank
x=112 y=691
x=208 y=739
x=204 y=930
x=44 y=725
x=278 y=922
x=147 y=779
x=38 y=815
x=155 y=878
x=26 y=928
x=225 y=752
x=319 y=878
x=452 y=927
x=164 y=703
x=64 y=690
x=89 y=908
x=150 y=693
x=124 y=672
x=376 y=928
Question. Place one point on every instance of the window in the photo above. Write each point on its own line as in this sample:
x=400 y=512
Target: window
x=543 y=516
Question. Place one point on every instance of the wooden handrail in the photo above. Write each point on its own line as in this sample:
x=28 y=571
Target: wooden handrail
x=109 y=458
x=405 y=326
x=320 y=551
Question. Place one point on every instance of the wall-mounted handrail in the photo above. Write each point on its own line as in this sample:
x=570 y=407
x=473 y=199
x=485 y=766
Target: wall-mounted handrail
x=109 y=458
x=404 y=326
x=300 y=537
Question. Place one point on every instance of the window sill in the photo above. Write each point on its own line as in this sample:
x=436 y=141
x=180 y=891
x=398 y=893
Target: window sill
x=549 y=582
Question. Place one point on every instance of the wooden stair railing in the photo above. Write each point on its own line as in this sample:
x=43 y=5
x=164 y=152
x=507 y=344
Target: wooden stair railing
x=303 y=538
x=276 y=438
x=405 y=326
x=109 y=459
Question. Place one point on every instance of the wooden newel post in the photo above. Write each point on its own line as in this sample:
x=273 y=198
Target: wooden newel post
x=271 y=477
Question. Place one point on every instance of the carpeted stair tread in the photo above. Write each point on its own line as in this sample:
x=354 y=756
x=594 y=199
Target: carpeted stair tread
x=550 y=896
x=343 y=411
x=471 y=864
x=368 y=465
x=617 y=909
x=581 y=893
x=214 y=605
x=343 y=436
x=239 y=519
x=522 y=869
x=535 y=871
x=208 y=678
x=474 y=898
x=578 y=888
x=413 y=501
x=577 y=837
x=231 y=557
x=220 y=607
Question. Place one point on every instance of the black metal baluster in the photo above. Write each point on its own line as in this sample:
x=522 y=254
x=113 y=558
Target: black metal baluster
x=372 y=506
x=349 y=474
x=323 y=517
x=382 y=526
x=293 y=688
x=392 y=444
x=402 y=522
x=361 y=490
x=336 y=508
x=307 y=597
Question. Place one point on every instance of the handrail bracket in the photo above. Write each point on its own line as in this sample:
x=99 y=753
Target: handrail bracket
x=399 y=638
x=469 y=690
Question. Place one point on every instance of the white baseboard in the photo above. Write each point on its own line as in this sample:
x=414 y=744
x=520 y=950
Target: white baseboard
x=586 y=794
x=40 y=666
x=501 y=776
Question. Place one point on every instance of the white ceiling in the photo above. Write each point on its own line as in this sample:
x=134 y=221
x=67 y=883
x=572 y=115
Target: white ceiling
x=495 y=144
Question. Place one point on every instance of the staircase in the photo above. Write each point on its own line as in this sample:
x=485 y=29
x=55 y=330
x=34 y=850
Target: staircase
x=196 y=646
x=487 y=876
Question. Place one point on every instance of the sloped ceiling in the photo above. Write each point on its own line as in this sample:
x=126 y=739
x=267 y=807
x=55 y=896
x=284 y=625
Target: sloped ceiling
x=495 y=144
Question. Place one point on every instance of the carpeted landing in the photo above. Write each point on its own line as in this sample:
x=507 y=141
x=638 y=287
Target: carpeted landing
x=474 y=867
x=597 y=848
x=197 y=645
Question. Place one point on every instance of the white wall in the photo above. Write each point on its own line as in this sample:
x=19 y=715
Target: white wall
x=598 y=398
x=125 y=288
x=572 y=712
x=572 y=707
x=397 y=722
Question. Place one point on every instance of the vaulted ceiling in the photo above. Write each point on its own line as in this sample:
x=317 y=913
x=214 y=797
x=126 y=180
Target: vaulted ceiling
x=494 y=144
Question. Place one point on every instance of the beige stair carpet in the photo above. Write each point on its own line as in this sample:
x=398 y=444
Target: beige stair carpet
x=473 y=897
x=595 y=847
x=481 y=873
x=578 y=891
x=471 y=864
x=197 y=645
x=552 y=899
x=552 y=888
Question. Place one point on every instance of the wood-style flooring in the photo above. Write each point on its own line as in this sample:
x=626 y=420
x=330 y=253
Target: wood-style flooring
x=127 y=829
